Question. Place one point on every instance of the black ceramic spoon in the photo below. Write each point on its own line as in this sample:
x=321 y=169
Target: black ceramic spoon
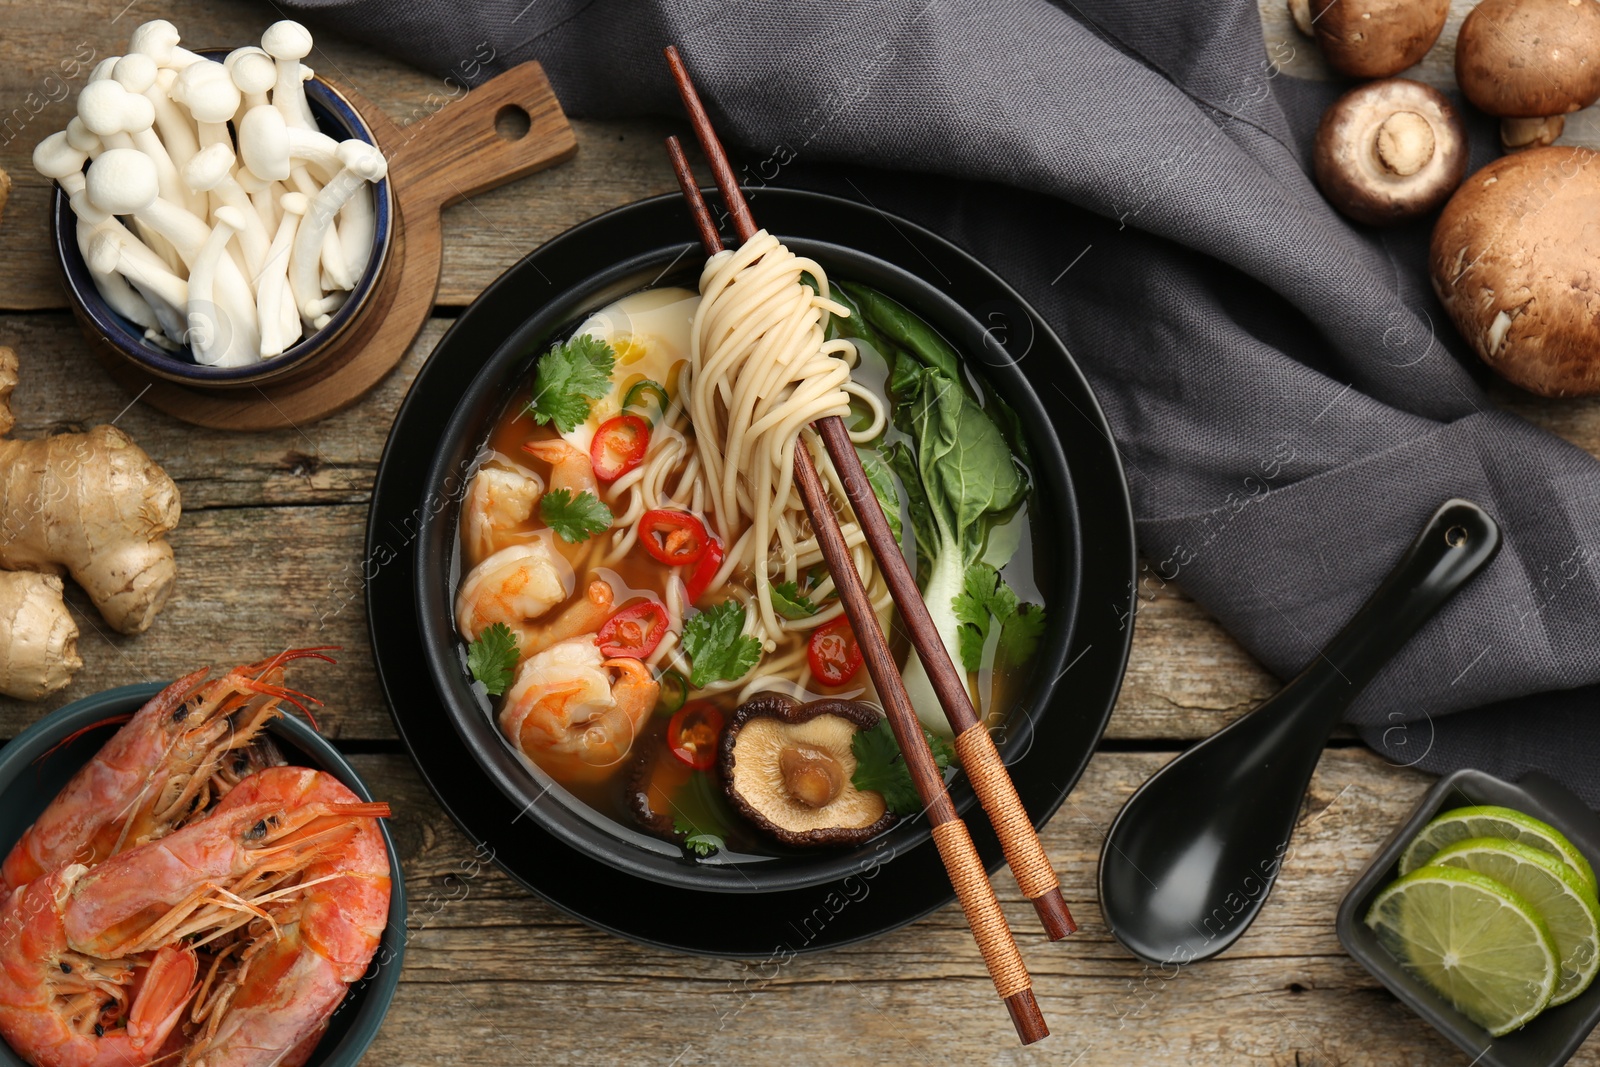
x=1193 y=854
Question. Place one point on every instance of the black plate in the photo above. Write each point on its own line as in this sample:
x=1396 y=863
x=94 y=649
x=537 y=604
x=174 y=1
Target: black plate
x=890 y=884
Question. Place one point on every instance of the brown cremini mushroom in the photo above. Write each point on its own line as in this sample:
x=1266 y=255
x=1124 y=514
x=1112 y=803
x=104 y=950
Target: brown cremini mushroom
x=1530 y=59
x=1376 y=38
x=787 y=768
x=1389 y=151
x=1513 y=261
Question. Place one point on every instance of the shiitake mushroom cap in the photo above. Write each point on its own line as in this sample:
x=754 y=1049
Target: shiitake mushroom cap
x=752 y=776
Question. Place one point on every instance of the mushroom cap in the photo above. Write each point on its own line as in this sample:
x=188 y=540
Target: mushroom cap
x=364 y=160
x=286 y=40
x=107 y=108
x=253 y=70
x=1529 y=58
x=208 y=167
x=1513 y=262
x=122 y=181
x=264 y=143
x=56 y=157
x=156 y=39
x=136 y=72
x=754 y=743
x=80 y=136
x=1377 y=38
x=207 y=91
x=1390 y=150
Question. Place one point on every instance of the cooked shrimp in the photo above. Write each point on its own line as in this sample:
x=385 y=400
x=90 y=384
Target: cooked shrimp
x=187 y=745
x=62 y=1008
x=515 y=586
x=582 y=617
x=236 y=866
x=498 y=500
x=277 y=985
x=569 y=467
x=566 y=714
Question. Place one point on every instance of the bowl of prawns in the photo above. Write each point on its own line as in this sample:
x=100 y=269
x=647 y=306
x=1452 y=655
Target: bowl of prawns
x=192 y=875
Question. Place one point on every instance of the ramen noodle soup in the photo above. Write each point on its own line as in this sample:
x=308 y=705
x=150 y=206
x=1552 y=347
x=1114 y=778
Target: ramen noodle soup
x=643 y=599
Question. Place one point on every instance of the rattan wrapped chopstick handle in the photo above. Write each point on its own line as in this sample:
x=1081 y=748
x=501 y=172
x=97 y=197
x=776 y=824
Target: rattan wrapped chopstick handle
x=979 y=758
x=1025 y=855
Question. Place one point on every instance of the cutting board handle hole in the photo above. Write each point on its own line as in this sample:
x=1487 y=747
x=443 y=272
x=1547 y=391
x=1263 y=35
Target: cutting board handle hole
x=512 y=123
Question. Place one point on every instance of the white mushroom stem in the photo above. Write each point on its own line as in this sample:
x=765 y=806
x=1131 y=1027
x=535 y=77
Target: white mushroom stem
x=123 y=182
x=269 y=146
x=358 y=228
x=1404 y=144
x=273 y=283
x=211 y=170
x=113 y=288
x=288 y=43
x=212 y=321
x=138 y=73
x=362 y=164
x=164 y=291
x=264 y=195
x=159 y=39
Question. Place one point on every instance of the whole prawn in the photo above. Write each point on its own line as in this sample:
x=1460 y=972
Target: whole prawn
x=188 y=744
x=63 y=1008
x=287 y=881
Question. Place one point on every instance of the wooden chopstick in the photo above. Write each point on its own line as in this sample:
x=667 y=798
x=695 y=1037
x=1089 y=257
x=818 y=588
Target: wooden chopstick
x=960 y=856
x=979 y=757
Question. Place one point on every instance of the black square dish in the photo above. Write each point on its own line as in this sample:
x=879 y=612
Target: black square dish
x=1553 y=1036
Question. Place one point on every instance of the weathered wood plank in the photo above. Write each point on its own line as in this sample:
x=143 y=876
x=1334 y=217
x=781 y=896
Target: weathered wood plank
x=521 y=981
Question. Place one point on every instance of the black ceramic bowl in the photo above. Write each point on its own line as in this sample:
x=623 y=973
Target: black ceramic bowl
x=1554 y=1035
x=36 y=765
x=648 y=262
x=339 y=120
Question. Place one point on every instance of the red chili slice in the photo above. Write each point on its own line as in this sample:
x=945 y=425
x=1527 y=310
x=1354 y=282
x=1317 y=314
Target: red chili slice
x=619 y=446
x=833 y=652
x=673 y=537
x=634 y=631
x=705 y=570
x=692 y=734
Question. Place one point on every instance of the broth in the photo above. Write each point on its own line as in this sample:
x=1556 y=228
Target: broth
x=649 y=331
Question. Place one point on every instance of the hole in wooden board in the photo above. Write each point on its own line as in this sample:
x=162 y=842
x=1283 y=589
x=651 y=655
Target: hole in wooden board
x=512 y=123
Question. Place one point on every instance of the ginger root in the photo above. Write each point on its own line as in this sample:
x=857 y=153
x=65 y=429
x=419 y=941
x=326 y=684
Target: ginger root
x=38 y=639
x=92 y=505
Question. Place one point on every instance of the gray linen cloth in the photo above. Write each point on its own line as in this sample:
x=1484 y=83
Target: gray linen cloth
x=1289 y=399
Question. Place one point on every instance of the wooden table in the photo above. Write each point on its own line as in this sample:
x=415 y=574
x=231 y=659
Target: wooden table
x=268 y=552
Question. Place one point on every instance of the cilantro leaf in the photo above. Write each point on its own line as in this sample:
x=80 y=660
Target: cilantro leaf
x=570 y=376
x=699 y=813
x=717 y=646
x=881 y=768
x=790 y=602
x=574 y=518
x=492 y=657
x=985 y=599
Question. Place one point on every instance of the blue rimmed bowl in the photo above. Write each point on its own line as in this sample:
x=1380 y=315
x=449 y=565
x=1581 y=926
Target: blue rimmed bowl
x=337 y=118
x=35 y=767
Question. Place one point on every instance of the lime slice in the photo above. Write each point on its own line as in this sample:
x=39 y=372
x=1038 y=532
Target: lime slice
x=1478 y=944
x=1568 y=907
x=1488 y=821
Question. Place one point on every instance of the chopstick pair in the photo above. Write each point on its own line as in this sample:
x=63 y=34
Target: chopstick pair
x=979 y=757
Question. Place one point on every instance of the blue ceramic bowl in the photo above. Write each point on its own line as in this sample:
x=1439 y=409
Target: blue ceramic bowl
x=33 y=769
x=339 y=120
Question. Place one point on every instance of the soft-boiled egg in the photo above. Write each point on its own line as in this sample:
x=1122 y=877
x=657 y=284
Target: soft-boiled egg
x=649 y=332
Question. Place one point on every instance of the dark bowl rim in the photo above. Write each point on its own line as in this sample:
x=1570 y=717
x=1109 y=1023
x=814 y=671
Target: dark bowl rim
x=379 y=989
x=128 y=339
x=508 y=364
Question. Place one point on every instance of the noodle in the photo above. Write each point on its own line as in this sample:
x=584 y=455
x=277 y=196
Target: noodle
x=760 y=371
